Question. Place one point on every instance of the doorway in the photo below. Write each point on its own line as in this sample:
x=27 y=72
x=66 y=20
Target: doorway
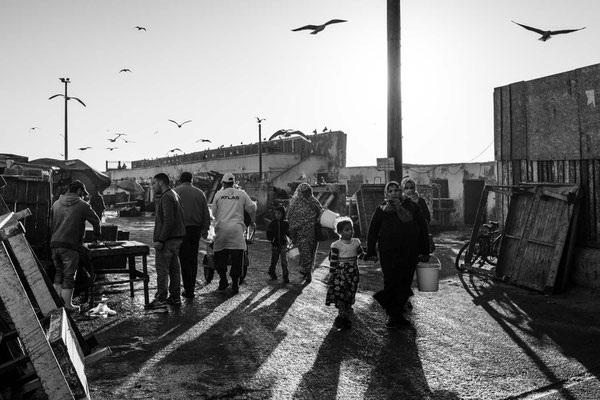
x=472 y=194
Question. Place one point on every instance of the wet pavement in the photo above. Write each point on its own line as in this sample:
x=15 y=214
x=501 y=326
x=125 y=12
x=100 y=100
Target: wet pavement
x=474 y=338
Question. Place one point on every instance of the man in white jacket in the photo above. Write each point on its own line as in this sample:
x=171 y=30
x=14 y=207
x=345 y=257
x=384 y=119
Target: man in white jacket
x=228 y=209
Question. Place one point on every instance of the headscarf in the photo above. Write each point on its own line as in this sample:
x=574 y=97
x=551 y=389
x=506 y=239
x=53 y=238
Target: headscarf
x=415 y=195
x=397 y=207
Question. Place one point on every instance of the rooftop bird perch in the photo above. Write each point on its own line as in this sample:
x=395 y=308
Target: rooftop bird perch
x=547 y=34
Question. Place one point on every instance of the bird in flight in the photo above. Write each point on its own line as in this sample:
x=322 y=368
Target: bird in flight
x=140 y=28
x=125 y=70
x=33 y=128
x=546 y=34
x=179 y=125
x=116 y=137
x=318 y=28
x=259 y=120
x=285 y=133
x=112 y=148
x=84 y=148
x=68 y=98
x=173 y=150
x=203 y=140
x=127 y=141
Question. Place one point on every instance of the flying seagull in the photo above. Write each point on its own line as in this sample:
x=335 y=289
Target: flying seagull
x=83 y=148
x=112 y=140
x=259 y=120
x=318 y=28
x=287 y=133
x=127 y=141
x=546 y=34
x=112 y=148
x=68 y=98
x=173 y=150
x=179 y=125
x=33 y=128
x=140 y=28
x=203 y=140
x=125 y=70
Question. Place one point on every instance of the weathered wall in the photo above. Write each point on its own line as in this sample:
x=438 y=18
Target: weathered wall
x=548 y=130
x=586 y=268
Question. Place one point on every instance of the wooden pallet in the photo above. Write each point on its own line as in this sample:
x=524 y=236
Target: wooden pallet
x=55 y=361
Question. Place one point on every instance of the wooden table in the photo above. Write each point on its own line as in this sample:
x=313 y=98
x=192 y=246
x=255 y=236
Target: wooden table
x=127 y=248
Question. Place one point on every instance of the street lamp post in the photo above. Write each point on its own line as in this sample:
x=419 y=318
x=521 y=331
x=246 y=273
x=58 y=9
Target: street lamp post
x=260 y=175
x=259 y=152
x=66 y=81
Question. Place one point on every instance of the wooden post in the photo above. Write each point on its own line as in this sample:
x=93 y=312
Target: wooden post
x=394 y=120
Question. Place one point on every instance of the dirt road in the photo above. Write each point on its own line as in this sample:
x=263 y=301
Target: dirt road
x=472 y=339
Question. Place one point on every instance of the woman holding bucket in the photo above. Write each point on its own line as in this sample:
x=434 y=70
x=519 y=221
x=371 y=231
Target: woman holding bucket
x=400 y=231
x=303 y=213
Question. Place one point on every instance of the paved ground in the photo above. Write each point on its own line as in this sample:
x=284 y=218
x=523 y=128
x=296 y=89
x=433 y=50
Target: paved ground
x=475 y=338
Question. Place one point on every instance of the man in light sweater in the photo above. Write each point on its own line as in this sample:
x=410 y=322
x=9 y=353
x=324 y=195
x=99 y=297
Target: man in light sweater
x=68 y=215
x=196 y=218
x=228 y=209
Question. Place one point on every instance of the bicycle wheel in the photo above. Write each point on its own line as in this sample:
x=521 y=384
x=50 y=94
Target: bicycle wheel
x=494 y=250
x=459 y=263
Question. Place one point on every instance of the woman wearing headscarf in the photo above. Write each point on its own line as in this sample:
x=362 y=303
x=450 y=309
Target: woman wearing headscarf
x=303 y=213
x=399 y=230
x=409 y=188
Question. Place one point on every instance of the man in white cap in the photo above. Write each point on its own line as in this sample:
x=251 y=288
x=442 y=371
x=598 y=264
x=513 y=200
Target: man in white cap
x=228 y=209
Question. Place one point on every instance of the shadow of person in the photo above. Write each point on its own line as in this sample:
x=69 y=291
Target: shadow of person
x=368 y=362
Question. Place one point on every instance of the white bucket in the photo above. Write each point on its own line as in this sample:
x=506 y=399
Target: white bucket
x=328 y=218
x=293 y=252
x=428 y=275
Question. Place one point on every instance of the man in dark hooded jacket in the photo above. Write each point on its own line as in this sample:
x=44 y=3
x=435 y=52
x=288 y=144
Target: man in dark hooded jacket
x=69 y=214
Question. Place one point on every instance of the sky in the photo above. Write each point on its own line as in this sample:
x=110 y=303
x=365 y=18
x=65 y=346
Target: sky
x=222 y=63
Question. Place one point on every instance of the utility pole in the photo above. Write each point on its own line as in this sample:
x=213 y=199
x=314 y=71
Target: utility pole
x=66 y=81
x=394 y=120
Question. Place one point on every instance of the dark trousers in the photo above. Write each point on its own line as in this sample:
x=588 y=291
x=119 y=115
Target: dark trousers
x=222 y=258
x=398 y=272
x=188 y=257
x=276 y=252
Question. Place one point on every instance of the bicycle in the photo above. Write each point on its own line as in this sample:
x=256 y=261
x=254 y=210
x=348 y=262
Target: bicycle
x=485 y=249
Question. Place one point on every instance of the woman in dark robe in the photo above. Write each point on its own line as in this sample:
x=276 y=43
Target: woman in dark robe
x=399 y=231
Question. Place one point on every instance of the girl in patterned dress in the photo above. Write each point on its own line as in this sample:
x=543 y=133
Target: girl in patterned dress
x=343 y=270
